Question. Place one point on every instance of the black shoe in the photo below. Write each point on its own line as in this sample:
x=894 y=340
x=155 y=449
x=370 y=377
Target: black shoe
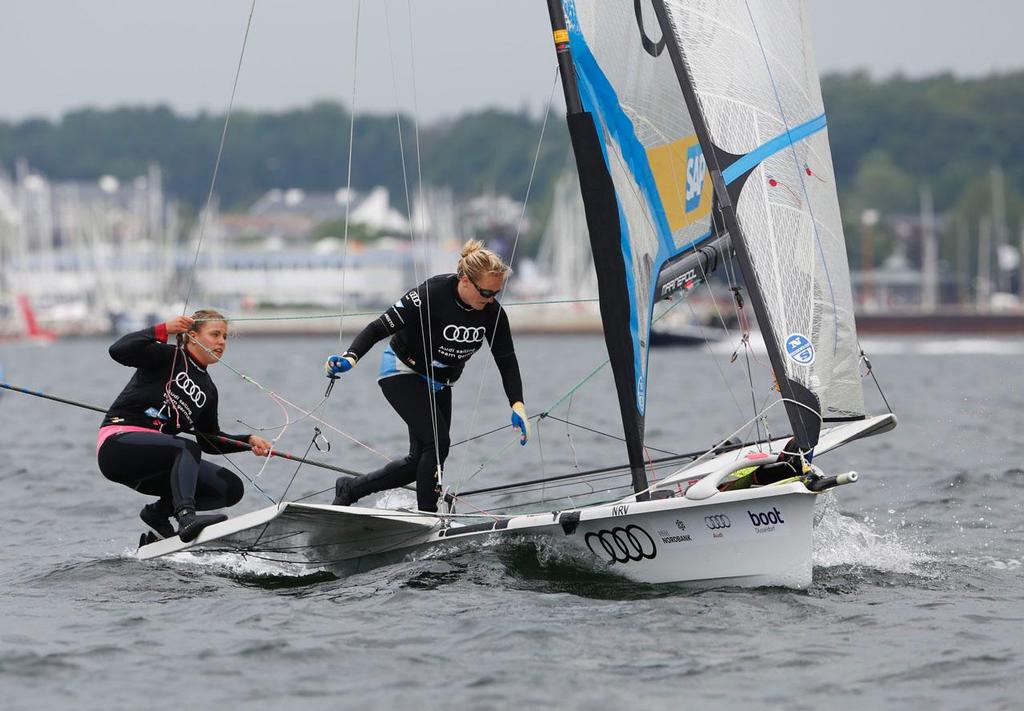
x=158 y=518
x=342 y=492
x=191 y=525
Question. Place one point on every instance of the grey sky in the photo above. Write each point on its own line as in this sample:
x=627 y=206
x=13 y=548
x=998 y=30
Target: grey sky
x=57 y=55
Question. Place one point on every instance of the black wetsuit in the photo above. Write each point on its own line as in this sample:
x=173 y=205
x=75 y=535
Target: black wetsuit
x=169 y=393
x=430 y=320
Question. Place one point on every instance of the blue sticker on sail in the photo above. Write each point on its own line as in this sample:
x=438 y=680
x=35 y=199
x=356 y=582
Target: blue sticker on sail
x=695 y=170
x=800 y=349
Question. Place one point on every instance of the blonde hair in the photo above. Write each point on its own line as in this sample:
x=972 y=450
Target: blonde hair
x=203 y=316
x=200 y=317
x=478 y=261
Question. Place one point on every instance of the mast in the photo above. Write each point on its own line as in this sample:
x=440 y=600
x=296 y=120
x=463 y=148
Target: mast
x=602 y=213
x=802 y=406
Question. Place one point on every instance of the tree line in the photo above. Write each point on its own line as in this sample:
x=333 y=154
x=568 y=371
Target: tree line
x=889 y=138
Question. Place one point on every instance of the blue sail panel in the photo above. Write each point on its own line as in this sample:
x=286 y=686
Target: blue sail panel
x=662 y=191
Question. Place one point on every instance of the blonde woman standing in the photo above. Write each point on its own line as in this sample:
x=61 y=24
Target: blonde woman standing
x=434 y=330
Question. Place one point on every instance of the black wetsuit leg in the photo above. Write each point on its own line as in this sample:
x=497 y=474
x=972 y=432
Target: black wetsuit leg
x=410 y=396
x=169 y=467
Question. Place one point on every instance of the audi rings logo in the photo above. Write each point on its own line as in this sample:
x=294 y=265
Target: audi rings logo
x=193 y=391
x=621 y=545
x=717 y=521
x=464 y=334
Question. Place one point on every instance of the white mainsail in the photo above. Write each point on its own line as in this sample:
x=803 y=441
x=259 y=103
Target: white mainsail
x=753 y=73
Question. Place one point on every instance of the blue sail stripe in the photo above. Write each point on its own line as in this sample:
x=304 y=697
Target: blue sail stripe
x=599 y=97
x=763 y=152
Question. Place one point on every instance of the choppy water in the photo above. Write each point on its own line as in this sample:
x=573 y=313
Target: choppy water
x=917 y=599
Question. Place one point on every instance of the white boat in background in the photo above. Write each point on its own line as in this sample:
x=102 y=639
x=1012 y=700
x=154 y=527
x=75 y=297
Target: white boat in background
x=699 y=135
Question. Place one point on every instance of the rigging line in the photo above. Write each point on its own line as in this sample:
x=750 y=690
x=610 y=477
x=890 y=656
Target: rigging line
x=425 y=337
x=750 y=379
x=418 y=218
x=595 y=371
x=723 y=445
x=205 y=217
x=454 y=499
x=310 y=496
x=525 y=504
x=348 y=186
x=216 y=167
x=519 y=229
x=306 y=413
x=660 y=462
x=273 y=441
x=546 y=485
x=316 y=433
x=487 y=461
x=611 y=436
x=277 y=399
x=568 y=395
x=718 y=365
x=878 y=385
x=488 y=432
x=313 y=317
x=803 y=183
x=593 y=484
x=251 y=480
x=568 y=436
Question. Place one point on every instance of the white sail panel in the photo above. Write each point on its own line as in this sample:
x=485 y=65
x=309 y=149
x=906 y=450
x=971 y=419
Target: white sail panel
x=754 y=76
x=628 y=84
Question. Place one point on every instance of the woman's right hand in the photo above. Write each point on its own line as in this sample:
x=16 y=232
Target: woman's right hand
x=179 y=324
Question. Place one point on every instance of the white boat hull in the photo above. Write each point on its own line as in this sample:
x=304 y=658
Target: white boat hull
x=756 y=536
x=749 y=537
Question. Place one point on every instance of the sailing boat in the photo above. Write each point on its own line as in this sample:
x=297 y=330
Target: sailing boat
x=699 y=133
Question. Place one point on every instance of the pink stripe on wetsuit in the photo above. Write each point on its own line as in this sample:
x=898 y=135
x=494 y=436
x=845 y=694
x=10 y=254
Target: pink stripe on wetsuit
x=160 y=331
x=111 y=430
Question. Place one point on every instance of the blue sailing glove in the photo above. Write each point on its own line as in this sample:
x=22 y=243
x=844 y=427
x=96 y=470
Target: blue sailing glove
x=338 y=364
x=521 y=422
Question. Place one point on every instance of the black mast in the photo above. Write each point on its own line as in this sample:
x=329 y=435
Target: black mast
x=802 y=406
x=602 y=212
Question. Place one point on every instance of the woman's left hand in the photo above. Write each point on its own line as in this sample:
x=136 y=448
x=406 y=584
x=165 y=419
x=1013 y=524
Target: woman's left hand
x=260 y=446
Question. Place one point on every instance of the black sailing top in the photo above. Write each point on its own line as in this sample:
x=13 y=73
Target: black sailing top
x=454 y=331
x=164 y=399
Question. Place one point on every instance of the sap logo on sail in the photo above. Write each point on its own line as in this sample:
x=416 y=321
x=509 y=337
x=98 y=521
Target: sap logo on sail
x=800 y=349
x=696 y=167
x=766 y=521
